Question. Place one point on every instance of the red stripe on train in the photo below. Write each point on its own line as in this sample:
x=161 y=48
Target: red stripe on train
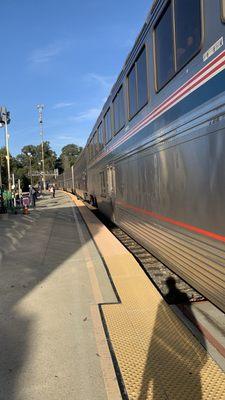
x=169 y=220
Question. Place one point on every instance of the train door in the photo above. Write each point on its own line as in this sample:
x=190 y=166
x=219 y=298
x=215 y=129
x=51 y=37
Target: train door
x=111 y=181
x=111 y=186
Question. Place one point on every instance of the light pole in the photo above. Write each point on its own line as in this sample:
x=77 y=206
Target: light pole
x=30 y=157
x=40 y=111
x=5 y=120
x=7 y=156
x=0 y=171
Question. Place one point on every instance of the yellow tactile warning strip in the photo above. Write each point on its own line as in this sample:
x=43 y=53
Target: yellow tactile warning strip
x=158 y=356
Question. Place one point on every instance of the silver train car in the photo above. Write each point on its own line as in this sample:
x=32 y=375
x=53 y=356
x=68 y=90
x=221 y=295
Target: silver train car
x=155 y=160
x=74 y=180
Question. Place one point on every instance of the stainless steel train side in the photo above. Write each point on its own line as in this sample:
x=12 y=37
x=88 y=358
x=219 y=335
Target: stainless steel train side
x=161 y=177
x=80 y=176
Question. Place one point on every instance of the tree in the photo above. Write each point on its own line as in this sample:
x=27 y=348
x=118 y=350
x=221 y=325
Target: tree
x=58 y=165
x=36 y=154
x=69 y=155
x=49 y=156
x=21 y=173
x=20 y=165
x=15 y=167
x=33 y=154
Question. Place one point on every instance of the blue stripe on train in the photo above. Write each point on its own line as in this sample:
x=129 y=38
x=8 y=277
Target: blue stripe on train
x=202 y=95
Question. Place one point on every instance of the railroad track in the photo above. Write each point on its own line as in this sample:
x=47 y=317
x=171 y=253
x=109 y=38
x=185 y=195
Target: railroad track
x=160 y=275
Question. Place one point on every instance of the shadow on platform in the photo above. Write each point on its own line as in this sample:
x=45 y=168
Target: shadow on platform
x=173 y=365
x=30 y=255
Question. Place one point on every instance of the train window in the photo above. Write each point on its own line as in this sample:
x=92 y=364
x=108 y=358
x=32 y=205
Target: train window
x=187 y=17
x=142 y=87
x=90 y=151
x=92 y=148
x=118 y=110
x=164 y=45
x=108 y=126
x=223 y=10
x=116 y=114
x=188 y=30
x=95 y=144
x=100 y=137
x=132 y=92
x=103 y=183
x=137 y=84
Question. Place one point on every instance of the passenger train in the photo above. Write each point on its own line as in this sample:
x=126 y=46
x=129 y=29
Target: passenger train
x=154 y=162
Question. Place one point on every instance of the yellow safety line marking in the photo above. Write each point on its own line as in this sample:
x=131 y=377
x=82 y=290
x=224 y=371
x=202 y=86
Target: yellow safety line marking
x=158 y=356
x=108 y=373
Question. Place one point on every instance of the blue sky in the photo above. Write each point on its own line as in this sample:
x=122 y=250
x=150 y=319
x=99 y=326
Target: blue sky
x=66 y=55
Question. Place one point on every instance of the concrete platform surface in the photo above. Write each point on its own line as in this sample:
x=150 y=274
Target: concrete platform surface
x=51 y=337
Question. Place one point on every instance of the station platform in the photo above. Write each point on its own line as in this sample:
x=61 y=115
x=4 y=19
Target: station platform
x=157 y=356
x=79 y=319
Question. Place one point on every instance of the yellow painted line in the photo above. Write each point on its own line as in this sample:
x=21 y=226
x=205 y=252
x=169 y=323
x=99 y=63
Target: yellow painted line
x=108 y=373
x=158 y=356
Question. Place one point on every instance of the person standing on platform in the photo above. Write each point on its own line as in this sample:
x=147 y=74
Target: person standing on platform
x=52 y=191
x=32 y=195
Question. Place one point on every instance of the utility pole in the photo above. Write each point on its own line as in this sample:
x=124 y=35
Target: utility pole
x=7 y=156
x=0 y=171
x=19 y=188
x=31 y=178
x=14 y=189
x=40 y=111
x=5 y=120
